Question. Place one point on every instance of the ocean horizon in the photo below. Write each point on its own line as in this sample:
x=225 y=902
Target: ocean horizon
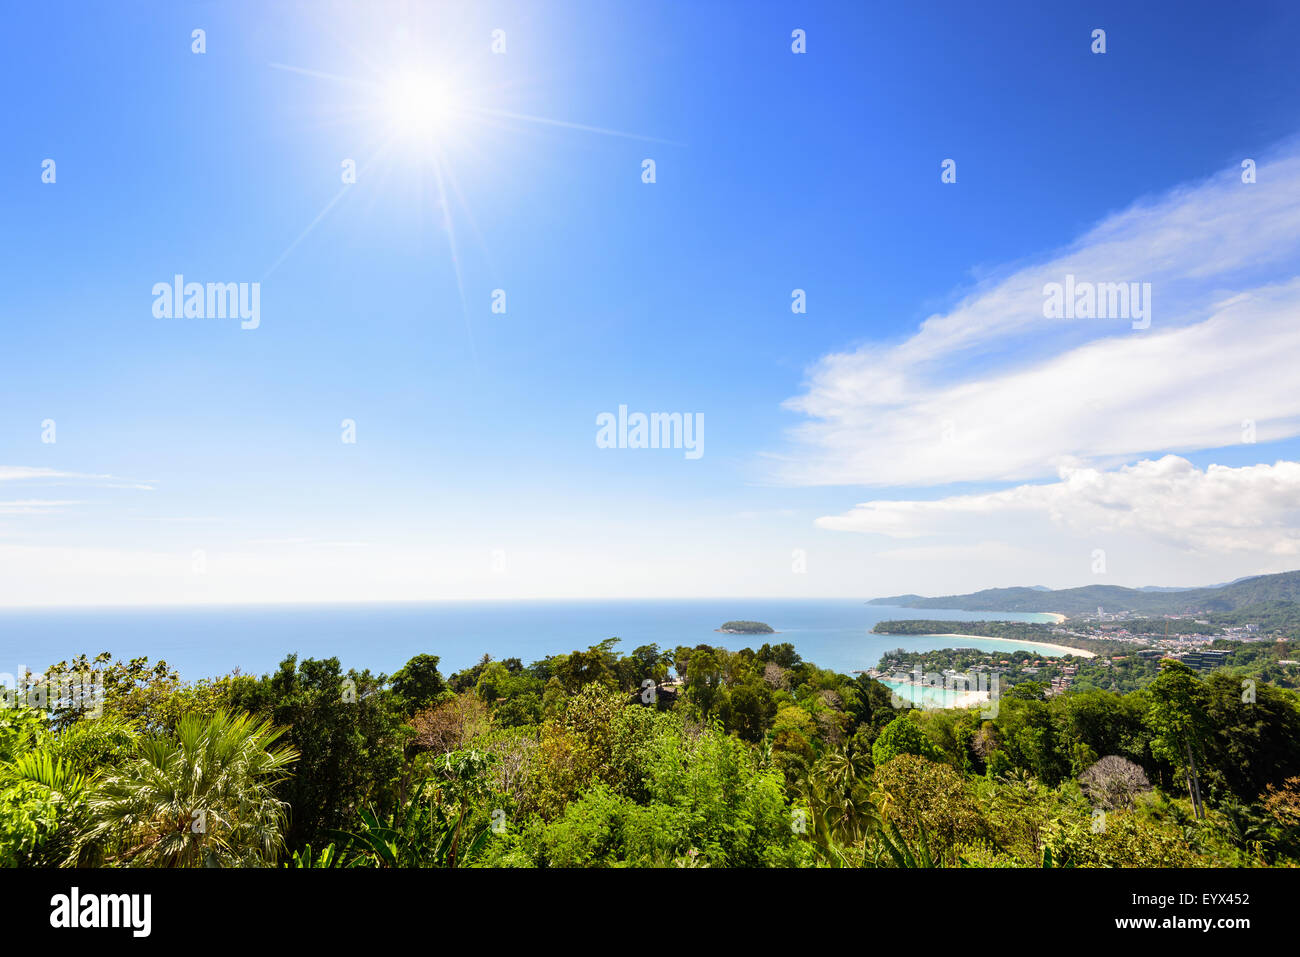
x=205 y=641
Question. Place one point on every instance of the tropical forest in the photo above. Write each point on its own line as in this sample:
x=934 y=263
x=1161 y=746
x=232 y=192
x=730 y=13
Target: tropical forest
x=690 y=757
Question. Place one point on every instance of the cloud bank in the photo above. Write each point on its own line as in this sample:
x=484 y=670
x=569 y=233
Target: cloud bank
x=993 y=391
x=1215 y=510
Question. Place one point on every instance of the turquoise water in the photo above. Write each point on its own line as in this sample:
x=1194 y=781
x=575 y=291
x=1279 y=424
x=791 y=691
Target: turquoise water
x=930 y=697
x=938 y=696
x=202 y=641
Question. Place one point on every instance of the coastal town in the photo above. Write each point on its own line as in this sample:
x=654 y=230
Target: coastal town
x=1110 y=650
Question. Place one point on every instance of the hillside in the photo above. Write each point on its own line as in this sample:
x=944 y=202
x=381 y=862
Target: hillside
x=1282 y=587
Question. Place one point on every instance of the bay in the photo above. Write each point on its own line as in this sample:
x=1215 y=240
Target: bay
x=204 y=641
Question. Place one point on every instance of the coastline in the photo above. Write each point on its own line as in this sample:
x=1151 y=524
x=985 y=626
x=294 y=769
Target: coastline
x=210 y=640
x=1055 y=614
x=1063 y=649
x=935 y=696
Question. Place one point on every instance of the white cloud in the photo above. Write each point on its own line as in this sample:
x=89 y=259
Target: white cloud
x=976 y=552
x=11 y=473
x=35 y=506
x=25 y=473
x=994 y=391
x=1253 y=509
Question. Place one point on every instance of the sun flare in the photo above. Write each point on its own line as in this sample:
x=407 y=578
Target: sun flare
x=418 y=105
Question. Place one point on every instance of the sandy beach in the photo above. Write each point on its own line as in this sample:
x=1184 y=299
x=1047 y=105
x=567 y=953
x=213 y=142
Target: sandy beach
x=928 y=696
x=1063 y=649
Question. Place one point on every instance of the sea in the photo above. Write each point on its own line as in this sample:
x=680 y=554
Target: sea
x=207 y=641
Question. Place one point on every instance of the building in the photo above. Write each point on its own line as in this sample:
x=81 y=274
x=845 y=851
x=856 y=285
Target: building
x=1205 y=660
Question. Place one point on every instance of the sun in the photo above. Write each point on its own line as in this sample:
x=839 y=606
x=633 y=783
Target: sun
x=418 y=105
x=425 y=122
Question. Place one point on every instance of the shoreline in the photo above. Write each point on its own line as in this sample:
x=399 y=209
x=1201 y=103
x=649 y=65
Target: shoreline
x=935 y=696
x=1064 y=649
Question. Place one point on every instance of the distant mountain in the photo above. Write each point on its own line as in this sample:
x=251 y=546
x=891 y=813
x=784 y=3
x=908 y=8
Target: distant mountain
x=1152 y=601
x=1193 y=587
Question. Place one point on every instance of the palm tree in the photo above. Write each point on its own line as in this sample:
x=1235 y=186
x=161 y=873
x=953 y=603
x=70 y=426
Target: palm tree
x=52 y=795
x=202 y=797
x=839 y=798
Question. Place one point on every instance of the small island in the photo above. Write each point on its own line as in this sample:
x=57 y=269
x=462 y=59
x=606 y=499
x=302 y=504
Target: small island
x=746 y=628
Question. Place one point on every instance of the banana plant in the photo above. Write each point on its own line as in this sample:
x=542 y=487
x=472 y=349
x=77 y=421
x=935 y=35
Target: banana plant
x=430 y=829
x=329 y=856
x=904 y=855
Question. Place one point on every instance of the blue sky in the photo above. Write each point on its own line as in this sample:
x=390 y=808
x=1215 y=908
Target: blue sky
x=775 y=171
